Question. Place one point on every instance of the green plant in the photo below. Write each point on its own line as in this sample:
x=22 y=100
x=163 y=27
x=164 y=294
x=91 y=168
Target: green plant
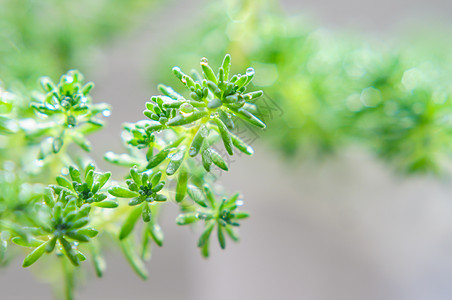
x=31 y=45
x=170 y=155
x=335 y=90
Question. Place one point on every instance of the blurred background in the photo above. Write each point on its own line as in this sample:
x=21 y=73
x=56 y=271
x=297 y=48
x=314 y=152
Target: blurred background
x=349 y=189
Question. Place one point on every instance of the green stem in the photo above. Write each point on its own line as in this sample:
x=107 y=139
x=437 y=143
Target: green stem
x=68 y=274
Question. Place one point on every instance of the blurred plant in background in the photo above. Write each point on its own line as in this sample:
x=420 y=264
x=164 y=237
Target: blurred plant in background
x=50 y=37
x=335 y=90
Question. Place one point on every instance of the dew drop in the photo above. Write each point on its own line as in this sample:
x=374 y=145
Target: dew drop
x=106 y=113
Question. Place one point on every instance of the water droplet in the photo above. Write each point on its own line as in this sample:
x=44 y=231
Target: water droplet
x=69 y=79
x=65 y=171
x=106 y=113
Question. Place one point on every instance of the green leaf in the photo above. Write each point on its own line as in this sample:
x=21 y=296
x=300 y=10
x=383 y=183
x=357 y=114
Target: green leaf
x=75 y=174
x=156 y=234
x=87 y=88
x=81 y=141
x=221 y=238
x=207 y=70
x=226 y=118
x=241 y=80
x=206 y=159
x=63 y=181
x=70 y=253
x=120 y=159
x=209 y=194
x=34 y=255
x=129 y=223
x=253 y=95
x=157 y=159
x=106 y=204
x=88 y=168
x=155 y=178
x=80 y=223
x=157 y=188
x=200 y=135
x=232 y=234
x=181 y=188
x=225 y=136
x=89 y=178
x=75 y=235
x=57 y=144
x=135 y=176
x=182 y=120
x=47 y=84
x=136 y=201
x=218 y=160
x=241 y=145
x=103 y=178
x=160 y=198
x=146 y=213
x=176 y=160
x=168 y=91
x=98 y=260
x=89 y=231
x=206 y=233
x=122 y=192
x=128 y=247
x=146 y=245
x=205 y=249
x=249 y=117
x=187 y=218
x=196 y=195
x=30 y=242
x=232 y=200
x=226 y=65
x=51 y=245
x=241 y=215
x=214 y=103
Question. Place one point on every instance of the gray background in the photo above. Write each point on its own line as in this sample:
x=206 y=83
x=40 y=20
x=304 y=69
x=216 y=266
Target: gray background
x=346 y=228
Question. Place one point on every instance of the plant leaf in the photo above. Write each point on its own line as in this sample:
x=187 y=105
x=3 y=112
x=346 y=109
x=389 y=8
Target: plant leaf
x=134 y=260
x=129 y=223
x=122 y=192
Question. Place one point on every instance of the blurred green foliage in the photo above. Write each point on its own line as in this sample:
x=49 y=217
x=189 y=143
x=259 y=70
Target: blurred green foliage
x=334 y=90
x=52 y=36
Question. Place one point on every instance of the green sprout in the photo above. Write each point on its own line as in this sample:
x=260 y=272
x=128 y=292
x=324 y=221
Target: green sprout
x=67 y=107
x=64 y=226
x=144 y=191
x=86 y=189
x=222 y=214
